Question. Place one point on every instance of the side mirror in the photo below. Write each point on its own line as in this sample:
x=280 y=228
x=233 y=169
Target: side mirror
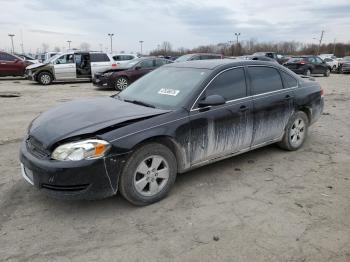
x=137 y=67
x=212 y=100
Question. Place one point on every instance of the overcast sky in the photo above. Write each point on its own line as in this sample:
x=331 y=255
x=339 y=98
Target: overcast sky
x=184 y=23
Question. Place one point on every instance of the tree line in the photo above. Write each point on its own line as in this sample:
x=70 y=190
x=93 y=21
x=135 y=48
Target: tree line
x=252 y=46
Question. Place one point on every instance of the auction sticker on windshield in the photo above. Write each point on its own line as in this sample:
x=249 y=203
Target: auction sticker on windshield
x=168 y=91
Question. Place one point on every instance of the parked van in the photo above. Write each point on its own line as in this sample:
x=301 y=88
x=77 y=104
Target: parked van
x=71 y=66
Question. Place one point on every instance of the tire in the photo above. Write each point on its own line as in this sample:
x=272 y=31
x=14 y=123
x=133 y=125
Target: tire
x=307 y=72
x=121 y=83
x=296 y=132
x=45 y=78
x=148 y=174
x=334 y=68
x=327 y=73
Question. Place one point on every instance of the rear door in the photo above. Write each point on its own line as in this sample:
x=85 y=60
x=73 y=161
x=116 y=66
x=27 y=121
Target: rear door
x=225 y=129
x=64 y=67
x=142 y=68
x=10 y=65
x=273 y=104
x=100 y=62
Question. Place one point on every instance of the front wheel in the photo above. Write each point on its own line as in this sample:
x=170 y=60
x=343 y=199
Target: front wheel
x=148 y=174
x=121 y=83
x=45 y=78
x=296 y=132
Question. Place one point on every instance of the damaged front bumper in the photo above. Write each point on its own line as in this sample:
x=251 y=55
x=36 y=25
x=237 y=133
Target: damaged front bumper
x=85 y=179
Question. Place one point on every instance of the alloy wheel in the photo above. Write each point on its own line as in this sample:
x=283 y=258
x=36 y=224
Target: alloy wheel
x=297 y=132
x=121 y=83
x=45 y=79
x=151 y=175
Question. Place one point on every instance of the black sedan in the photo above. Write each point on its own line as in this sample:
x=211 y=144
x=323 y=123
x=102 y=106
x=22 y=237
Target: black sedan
x=174 y=119
x=307 y=65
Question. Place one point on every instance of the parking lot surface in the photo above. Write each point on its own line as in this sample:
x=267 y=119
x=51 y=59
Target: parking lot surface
x=265 y=205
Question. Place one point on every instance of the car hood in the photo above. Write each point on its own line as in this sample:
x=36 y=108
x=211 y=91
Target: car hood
x=36 y=65
x=84 y=117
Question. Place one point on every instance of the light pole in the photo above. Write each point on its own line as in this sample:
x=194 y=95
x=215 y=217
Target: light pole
x=13 y=48
x=69 y=41
x=237 y=35
x=319 y=44
x=141 y=41
x=111 y=35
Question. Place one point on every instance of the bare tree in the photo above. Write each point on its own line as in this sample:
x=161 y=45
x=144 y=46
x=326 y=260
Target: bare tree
x=166 y=47
x=85 y=46
x=45 y=47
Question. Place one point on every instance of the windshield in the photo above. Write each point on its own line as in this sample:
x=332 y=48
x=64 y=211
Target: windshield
x=346 y=58
x=184 y=58
x=166 y=87
x=49 y=60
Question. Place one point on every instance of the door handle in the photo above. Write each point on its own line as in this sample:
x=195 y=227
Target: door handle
x=243 y=108
x=287 y=97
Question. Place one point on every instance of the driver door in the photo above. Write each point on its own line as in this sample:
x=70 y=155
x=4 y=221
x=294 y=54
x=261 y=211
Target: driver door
x=222 y=130
x=64 y=67
x=142 y=68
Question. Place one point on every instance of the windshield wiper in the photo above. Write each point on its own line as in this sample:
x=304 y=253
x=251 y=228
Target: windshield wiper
x=137 y=102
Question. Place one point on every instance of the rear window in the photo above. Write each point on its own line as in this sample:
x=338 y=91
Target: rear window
x=289 y=81
x=264 y=79
x=99 y=57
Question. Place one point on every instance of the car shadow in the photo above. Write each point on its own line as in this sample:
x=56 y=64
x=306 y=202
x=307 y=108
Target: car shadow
x=184 y=180
x=6 y=78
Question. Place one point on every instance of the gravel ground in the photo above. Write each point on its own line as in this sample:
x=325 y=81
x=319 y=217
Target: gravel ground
x=265 y=205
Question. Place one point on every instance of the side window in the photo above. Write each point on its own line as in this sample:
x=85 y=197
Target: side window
x=65 y=59
x=8 y=57
x=128 y=57
x=99 y=57
x=2 y=57
x=117 y=58
x=147 y=63
x=160 y=62
x=289 y=81
x=312 y=60
x=264 y=79
x=196 y=57
x=328 y=60
x=318 y=60
x=229 y=84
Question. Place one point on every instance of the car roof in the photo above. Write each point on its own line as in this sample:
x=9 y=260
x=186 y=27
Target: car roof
x=212 y=64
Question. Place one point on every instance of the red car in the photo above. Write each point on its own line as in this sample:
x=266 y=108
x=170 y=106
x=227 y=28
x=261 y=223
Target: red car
x=121 y=77
x=11 y=65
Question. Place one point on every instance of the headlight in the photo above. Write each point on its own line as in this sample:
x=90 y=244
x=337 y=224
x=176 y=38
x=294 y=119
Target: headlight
x=86 y=149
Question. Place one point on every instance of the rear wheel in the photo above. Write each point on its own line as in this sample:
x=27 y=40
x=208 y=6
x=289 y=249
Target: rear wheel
x=327 y=73
x=45 y=78
x=307 y=72
x=121 y=83
x=148 y=174
x=296 y=132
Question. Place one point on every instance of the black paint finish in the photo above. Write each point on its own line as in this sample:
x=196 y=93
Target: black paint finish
x=197 y=136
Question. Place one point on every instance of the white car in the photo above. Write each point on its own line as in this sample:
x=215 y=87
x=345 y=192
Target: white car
x=333 y=63
x=123 y=58
x=70 y=66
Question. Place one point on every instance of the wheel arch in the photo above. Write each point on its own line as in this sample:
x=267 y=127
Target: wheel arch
x=170 y=143
x=307 y=110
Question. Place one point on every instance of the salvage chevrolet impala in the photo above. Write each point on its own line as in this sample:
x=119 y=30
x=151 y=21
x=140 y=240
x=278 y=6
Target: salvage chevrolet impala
x=174 y=119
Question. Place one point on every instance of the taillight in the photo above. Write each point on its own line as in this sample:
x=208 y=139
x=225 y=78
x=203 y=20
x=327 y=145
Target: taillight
x=302 y=62
x=114 y=65
x=322 y=92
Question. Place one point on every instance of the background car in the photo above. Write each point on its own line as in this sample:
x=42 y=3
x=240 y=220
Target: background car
x=71 y=66
x=121 y=77
x=28 y=58
x=190 y=57
x=333 y=63
x=123 y=58
x=272 y=55
x=308 y=65
x=11 y=65
x=344 y=65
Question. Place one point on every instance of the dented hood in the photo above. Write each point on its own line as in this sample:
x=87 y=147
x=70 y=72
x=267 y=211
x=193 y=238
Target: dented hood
x=85 y=117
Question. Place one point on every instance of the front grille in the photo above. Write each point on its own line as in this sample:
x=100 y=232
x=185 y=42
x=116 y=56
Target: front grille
x=65 y=188
x=36 y=148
